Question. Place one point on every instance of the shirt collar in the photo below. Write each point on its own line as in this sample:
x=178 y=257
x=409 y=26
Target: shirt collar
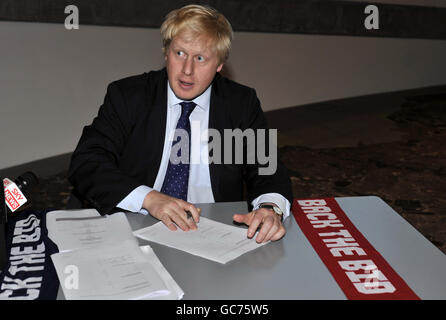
x=202 y=101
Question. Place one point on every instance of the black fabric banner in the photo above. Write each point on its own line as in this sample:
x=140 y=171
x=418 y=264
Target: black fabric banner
x=29 y=273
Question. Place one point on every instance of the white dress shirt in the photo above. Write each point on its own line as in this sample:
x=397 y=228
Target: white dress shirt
x=199 y=187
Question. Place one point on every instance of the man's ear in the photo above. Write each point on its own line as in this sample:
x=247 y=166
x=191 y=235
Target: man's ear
x=219 y=67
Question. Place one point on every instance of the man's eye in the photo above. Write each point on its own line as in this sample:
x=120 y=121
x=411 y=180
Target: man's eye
x=200 y=58
x=180 y=53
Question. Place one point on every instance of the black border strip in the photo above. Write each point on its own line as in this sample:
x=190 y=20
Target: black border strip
x=279 y=16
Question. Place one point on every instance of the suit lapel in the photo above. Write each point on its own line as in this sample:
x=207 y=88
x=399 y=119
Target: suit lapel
x=156 y=126
x=217 y=120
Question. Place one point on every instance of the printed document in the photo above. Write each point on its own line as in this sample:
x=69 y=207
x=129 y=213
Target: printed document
x=121 y=271
x=212 y=240
x=78 y=229
x=99 y=258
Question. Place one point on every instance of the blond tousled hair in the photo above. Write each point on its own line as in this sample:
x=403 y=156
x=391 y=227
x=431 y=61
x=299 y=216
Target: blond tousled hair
x=196 y=20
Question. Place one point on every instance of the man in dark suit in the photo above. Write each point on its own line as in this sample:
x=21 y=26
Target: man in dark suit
x=124 y=159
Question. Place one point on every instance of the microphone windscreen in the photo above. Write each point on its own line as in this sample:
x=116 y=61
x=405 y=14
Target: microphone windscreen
x=26 y=181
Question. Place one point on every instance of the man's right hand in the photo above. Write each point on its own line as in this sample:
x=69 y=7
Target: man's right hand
x=171 y=211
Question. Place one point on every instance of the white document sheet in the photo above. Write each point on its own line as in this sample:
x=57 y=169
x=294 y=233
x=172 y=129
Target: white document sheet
x=99 y=258
x=212 y=240
x=77 y=229
x=121 y=271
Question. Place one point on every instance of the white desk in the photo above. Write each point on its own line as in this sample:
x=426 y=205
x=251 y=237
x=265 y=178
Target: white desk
x=291 y=269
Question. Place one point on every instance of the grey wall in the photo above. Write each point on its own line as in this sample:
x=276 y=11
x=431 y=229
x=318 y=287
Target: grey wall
x=52 y=81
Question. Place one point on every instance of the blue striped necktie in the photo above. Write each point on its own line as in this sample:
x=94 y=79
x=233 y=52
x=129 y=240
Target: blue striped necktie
x=177 y=175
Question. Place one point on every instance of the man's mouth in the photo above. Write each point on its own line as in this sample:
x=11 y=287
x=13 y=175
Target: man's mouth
x=185 y=84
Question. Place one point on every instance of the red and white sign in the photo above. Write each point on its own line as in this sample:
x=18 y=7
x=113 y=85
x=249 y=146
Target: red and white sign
x=14 y=198
x=360 y=271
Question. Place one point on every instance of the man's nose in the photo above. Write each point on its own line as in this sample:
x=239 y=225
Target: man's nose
x=188 y=66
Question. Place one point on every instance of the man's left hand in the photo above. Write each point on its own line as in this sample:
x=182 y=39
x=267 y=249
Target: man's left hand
x=271 y=227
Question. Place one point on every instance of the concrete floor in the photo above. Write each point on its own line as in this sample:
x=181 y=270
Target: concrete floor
x=343 y=123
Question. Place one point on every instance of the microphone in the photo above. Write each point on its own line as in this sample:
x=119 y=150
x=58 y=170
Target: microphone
x=26 y=181
x=12 y=197
x=14 y=192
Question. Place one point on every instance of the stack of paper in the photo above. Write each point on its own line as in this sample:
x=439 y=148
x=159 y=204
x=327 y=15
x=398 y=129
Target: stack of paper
x=99 y=258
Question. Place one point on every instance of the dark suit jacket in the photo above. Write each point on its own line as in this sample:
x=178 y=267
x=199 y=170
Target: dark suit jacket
x=122 y=148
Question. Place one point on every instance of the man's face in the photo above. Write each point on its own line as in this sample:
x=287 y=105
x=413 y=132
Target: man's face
x=191 y=66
